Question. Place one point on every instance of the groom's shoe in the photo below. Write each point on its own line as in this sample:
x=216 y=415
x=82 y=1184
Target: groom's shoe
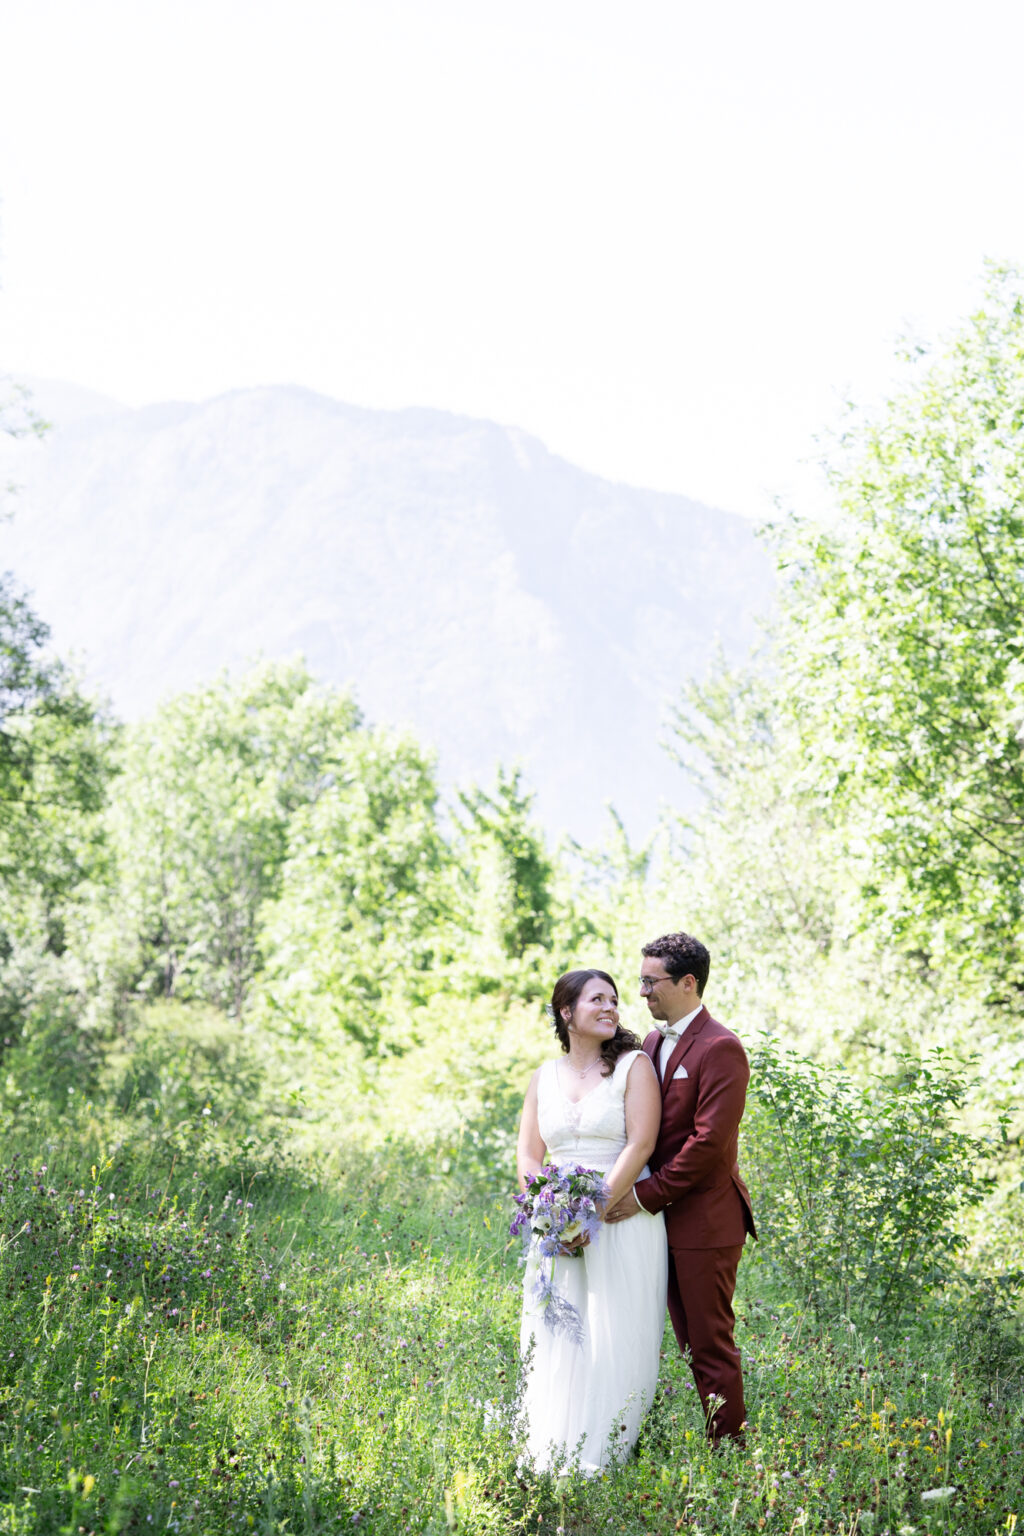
x=736 y=1438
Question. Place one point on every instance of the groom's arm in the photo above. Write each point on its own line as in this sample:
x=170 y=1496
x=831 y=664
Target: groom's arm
x=721 y=1095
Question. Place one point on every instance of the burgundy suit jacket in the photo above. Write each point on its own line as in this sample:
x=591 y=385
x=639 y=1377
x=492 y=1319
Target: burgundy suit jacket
x=695 y=1178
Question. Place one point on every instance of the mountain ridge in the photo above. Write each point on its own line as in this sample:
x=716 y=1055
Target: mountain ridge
x=464 y=580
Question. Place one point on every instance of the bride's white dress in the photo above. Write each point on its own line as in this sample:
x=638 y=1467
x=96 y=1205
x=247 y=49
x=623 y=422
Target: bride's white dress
x=588 y=1399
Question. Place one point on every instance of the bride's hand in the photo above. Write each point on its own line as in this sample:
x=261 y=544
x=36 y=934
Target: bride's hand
x=575 y=1244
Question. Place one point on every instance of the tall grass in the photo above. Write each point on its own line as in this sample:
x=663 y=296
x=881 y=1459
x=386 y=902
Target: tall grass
x=195 y=1342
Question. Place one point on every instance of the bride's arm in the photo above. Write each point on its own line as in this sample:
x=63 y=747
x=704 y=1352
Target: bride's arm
x=530 y=1147
x=643 y=1117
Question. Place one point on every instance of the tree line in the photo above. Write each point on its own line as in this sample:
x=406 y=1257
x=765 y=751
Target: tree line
x=257 y=849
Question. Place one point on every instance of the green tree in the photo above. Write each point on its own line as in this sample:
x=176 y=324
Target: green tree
x=506 y=887
x=55 y=763
x=361 y=928
x=857 y=858
x=772 y=877
x=901 y=653
x=53 y=751
x=52 y=741
x=199 y=830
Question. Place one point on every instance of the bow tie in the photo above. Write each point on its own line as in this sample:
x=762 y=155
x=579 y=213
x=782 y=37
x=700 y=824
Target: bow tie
x=667 y=1032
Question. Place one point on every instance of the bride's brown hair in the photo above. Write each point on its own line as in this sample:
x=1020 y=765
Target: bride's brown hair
x=566 y=995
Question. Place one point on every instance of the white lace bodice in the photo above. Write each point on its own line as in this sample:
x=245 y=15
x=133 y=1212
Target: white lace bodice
x=592 y=1132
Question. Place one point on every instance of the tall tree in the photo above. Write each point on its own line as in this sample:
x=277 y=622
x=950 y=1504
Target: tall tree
x=55 y=762
x=199 y=828
x=902 y=648
x=507 y=882
x=362 y=927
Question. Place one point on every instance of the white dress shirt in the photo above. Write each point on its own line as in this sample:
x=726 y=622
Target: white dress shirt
x=670 y=1042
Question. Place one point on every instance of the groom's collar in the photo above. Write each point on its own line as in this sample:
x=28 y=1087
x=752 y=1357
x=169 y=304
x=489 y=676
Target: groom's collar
x=677 y=1030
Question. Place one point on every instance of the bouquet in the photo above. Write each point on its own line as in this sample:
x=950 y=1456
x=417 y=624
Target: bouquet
x=558 y=1206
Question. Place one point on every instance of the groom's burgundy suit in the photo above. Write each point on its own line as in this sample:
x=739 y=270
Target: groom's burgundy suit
x=696 y=1181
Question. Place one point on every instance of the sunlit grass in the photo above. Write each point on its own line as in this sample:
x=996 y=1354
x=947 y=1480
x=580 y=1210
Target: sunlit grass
x=191 y=1345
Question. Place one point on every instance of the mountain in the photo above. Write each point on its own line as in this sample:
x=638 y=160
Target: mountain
x=465 y=581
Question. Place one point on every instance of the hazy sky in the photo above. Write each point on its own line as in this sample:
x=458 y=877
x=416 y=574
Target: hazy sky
x=666 y=237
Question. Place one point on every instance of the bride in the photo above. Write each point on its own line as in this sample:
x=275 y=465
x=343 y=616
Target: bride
x=599 y=1105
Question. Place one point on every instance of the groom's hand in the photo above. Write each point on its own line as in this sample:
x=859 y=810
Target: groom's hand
x=575 y=1244
x=626 y=1208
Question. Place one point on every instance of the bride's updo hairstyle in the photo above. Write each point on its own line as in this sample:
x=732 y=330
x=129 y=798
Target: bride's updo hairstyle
x=566 y=995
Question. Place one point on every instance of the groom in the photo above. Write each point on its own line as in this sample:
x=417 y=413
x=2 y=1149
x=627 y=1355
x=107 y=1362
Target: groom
x=695 y=1180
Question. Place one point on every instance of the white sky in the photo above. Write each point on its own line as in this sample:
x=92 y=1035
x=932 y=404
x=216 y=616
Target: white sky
x=666 y=237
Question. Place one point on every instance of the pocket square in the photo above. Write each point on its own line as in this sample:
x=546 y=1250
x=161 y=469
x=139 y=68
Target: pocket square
x=679 y=1072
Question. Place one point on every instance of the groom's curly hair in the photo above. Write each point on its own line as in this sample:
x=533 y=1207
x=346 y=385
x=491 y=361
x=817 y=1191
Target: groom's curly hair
x=566 y=995
x=681 y=955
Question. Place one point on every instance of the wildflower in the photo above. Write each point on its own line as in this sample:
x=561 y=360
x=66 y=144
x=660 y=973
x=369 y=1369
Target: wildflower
x=936 y=1495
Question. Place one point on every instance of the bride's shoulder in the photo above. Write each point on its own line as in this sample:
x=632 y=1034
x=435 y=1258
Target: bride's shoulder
x=626 y=1060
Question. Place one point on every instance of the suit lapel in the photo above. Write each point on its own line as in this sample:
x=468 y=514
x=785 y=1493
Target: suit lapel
x=683 y=1044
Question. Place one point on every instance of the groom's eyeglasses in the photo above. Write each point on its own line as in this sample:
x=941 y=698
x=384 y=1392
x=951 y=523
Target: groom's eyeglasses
x=648 y=983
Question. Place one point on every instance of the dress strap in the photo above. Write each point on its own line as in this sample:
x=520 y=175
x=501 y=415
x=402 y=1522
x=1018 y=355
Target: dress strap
x=625 y=1062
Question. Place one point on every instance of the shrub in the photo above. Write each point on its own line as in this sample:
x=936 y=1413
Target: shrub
x=858 y=1187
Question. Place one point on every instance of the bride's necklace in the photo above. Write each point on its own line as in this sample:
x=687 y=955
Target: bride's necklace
x=586 y=1070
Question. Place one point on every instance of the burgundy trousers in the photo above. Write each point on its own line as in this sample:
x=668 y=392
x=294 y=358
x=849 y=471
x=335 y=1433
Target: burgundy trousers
x=701 y=1282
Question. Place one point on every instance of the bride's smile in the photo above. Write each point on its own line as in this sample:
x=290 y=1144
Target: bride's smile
x=596 y=1014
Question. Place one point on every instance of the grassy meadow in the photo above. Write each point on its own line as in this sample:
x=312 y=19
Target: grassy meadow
x=204 y=1331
